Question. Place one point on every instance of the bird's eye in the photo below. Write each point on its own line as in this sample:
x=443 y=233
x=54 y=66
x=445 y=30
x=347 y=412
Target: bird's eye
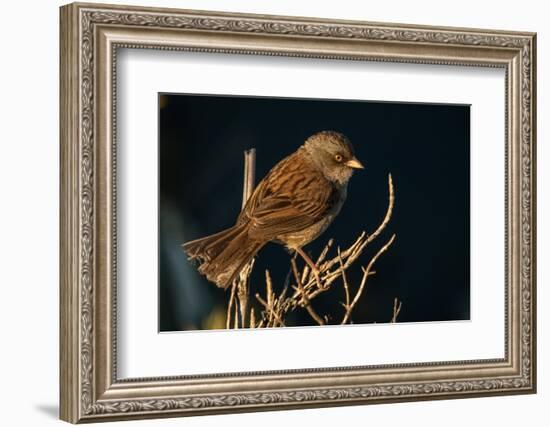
x=338 y=158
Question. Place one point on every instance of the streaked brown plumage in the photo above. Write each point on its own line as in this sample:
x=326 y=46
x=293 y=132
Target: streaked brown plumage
x=294 y=203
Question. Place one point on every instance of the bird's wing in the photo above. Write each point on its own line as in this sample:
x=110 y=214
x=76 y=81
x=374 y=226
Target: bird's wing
x=292 y=197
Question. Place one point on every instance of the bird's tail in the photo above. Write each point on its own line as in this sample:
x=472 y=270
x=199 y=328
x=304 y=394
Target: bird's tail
x=223 y=255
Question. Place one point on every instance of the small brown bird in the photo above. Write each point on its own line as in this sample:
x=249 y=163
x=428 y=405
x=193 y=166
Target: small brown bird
x=294 y=203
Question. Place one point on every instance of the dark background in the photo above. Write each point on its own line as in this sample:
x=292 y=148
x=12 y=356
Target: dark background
x=424 y=146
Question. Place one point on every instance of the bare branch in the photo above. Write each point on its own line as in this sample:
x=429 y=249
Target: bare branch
x=391 y=198
x=274 y=316
x=364 y=280
x=324 y=252
x=236 y=318
x=230 y=305
x=252 y=319
x=396 y=309
x=304 y=298
x=269 y=292
x=240 y=285
x=344 y=280
x=312 y=266
x=243 y=290
x=354 y=251
x=249 y=174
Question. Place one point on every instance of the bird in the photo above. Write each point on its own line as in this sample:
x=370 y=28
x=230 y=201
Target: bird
x=292 y=205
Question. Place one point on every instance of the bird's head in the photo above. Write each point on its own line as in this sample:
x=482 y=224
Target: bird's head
x=333 y=154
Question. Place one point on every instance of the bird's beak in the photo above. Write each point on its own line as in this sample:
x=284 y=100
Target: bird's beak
x=354 y=163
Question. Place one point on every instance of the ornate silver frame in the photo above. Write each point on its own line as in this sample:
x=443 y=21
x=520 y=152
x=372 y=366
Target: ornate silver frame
x=90 y=36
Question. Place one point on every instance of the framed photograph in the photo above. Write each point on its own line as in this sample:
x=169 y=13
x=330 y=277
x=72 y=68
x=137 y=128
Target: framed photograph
x=267 y=212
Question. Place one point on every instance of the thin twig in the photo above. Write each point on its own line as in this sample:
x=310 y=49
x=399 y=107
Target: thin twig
x=272 y=311
x=344 y=279
x=324 y=252
x=269 y=291
x=352 y=253
x=252 y=319
x=230 y=305
x=236 y=318
x=312 y=265
x=364 y=280
x=391 y=202
x=243 y=291
x=269 y=309
x=243 y=301
x=249 y=174
x=305 y=300
x=396 y=309
x=249 y=178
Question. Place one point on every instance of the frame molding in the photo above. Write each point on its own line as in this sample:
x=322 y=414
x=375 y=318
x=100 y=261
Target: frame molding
x=89 y=39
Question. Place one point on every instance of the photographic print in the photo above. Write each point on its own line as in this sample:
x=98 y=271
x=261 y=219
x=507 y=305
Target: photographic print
x=255 y=183
x=280 y=212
